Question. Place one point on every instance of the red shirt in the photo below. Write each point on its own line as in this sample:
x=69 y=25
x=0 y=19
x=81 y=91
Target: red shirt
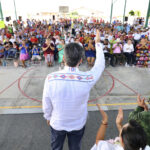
x=34 y=40
x=49 y=50
x=57 y=32
x=81 y=40
x=8 y=35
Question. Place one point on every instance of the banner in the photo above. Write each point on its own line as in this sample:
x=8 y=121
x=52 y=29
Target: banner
x=2 y=25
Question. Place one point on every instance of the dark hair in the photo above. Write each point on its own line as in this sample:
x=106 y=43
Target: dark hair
x=133 y=136
x=73 y=53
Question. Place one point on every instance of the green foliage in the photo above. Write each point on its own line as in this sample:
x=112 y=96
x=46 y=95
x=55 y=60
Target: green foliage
x=132 y=13
x=138 y=13
x=74 y=13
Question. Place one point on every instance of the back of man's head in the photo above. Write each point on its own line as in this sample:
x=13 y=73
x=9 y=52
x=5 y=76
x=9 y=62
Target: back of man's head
x=73 y=53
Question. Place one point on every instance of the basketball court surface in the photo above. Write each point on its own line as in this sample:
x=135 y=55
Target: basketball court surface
x=21 y=89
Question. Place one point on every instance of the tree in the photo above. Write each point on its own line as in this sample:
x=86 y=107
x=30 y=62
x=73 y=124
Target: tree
x=132 y=13
x=75 y=13
x=138 y=13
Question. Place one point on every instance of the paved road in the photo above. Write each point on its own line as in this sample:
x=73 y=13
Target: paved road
x=30 y=132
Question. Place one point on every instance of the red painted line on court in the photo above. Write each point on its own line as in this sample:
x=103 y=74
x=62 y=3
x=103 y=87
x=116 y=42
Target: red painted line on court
x=113 y=85
x=98 y=98
x=8 y=86
x=123 y=84
x=34 y=99
x=22 y=92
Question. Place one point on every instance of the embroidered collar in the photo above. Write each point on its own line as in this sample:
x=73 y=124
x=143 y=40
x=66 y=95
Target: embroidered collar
x=71 y=69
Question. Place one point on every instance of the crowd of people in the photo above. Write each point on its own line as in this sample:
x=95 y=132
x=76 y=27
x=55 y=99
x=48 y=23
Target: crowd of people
x=123 y=44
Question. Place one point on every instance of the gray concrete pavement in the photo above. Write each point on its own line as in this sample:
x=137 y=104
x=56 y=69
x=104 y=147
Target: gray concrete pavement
x=24 y=87
x=30 y=132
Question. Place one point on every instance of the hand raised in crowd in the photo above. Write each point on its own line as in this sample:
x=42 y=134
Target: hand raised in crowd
x=103 y=114
x=141 y=103
x=97 y=36
x=119 y=119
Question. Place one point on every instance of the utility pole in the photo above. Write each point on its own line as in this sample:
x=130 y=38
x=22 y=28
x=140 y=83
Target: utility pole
x=148 y=14
x=15 y=10
x=1 y=12
x=111 y=11
x=124 y=13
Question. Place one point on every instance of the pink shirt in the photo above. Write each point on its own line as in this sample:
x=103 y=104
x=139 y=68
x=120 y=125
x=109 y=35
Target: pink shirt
x=117 y=49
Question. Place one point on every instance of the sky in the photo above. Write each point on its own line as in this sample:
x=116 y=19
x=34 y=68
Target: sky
x=35 y=6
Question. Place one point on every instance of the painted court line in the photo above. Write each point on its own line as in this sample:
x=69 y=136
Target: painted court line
x=90 y=105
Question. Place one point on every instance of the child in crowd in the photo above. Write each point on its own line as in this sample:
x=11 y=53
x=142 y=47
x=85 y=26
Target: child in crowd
x=35 y=53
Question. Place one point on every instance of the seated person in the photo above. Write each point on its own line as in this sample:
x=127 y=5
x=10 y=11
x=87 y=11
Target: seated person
x=1 y=52
x=7 y=46
x=132 y=135
x=142 y=116
x=128 y=50
x=34 y=40
x=35 y=53
x=106 y=49
x=90 y=53
x=117 y=51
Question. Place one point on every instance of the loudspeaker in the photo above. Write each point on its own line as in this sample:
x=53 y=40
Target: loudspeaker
x=126 y=18
x=20 y=18
x=7 y=19
x=53 y=17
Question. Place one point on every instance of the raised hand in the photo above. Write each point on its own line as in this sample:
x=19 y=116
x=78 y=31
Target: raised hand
x=119 y=118
x=97 y=36
x=103 y=114
x=141 y=101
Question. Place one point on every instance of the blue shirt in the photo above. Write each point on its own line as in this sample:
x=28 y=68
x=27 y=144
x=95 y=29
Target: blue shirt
x=23 y=49
x=36 y=51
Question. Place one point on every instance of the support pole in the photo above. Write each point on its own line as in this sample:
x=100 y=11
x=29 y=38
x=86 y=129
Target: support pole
x=111 y=11
x=124 y=13
x=1 y=12
x=15 y=10
x=148 y=14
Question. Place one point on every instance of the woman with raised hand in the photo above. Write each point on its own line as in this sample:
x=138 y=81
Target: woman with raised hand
x=131 y=135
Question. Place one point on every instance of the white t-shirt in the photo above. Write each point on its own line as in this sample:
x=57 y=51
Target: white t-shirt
x=57 y=42
x=137 y=36
x=104 y=145
x=128 y=48
x=104 y=48
x=110 y=37
x=12 y=40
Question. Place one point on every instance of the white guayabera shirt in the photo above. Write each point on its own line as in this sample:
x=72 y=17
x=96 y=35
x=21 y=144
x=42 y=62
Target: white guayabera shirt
x=66 y=94
x=105 y=145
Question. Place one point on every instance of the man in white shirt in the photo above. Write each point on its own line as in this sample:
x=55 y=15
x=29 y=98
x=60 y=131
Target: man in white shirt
x=66 y=94
x=137 y=36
